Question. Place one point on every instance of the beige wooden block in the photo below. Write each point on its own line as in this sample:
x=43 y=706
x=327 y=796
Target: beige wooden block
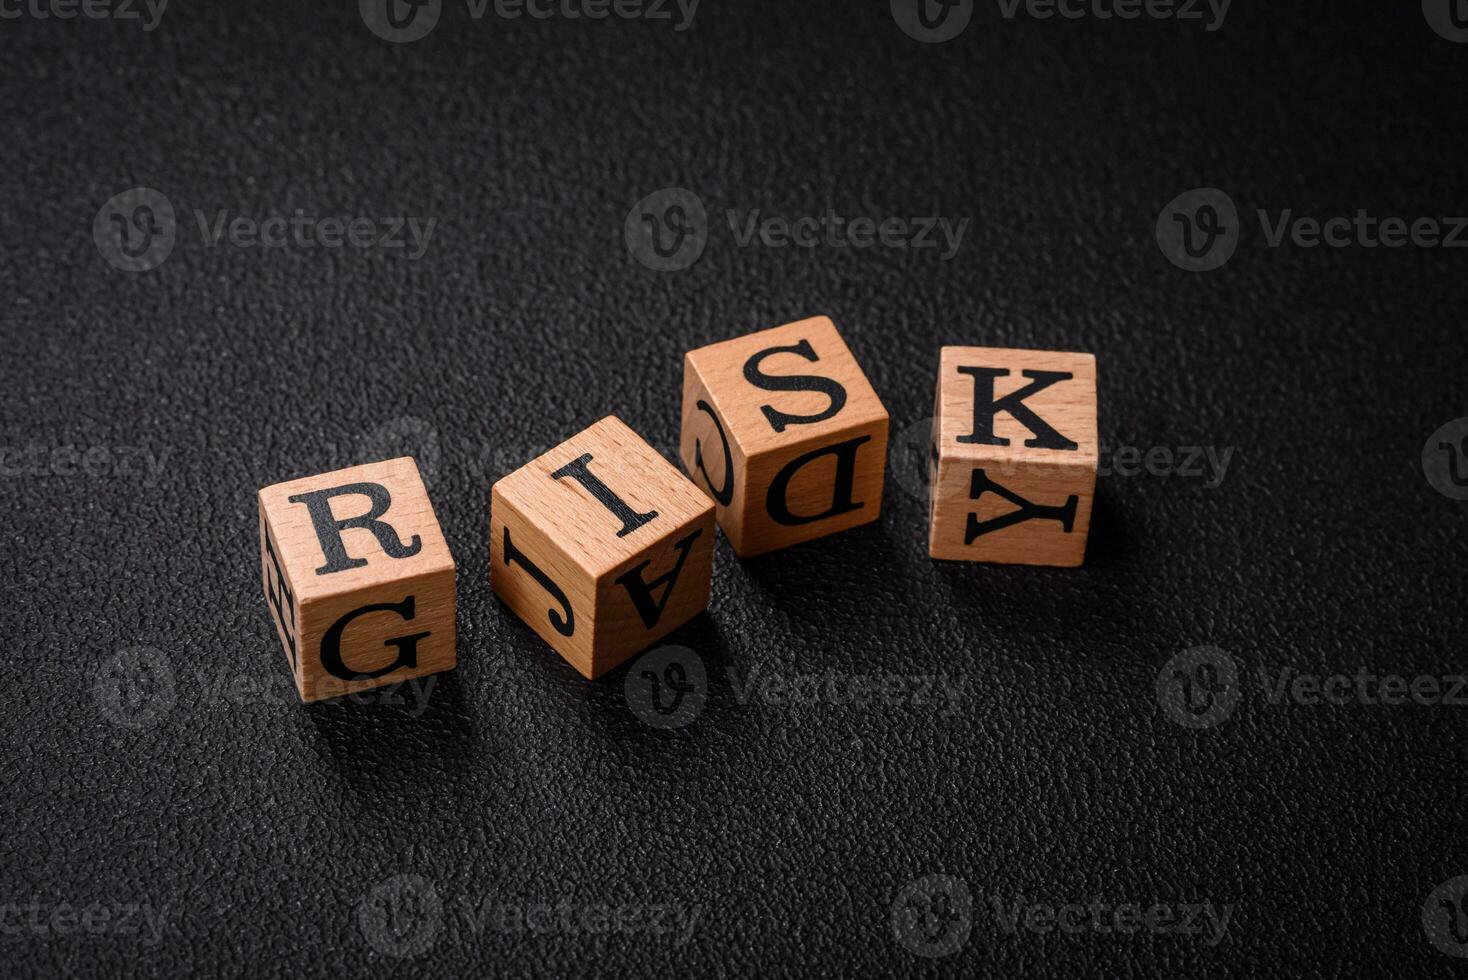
x=601 y=545
x=782 y=429
x=358 y=578
x=1014 y=455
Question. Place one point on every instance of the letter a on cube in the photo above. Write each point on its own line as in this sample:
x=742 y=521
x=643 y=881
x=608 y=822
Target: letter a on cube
x=601 y=546
x=782 y=429
x=358 y=578
x=1013 y=467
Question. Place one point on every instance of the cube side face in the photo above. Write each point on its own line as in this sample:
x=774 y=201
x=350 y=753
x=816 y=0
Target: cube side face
x=711 y=457
x=1015 y=449
x=654 y=593
x=598 y=507
x=813 y=489
x=382 y=634
x=280 y=598
x=994 y=509
x=540 y=583
x=793 y=402
x=372 y=579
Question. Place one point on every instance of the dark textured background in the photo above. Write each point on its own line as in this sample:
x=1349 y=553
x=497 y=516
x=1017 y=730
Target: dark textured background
x=258 y=825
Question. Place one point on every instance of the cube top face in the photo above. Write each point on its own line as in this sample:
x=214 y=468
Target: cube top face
x=608 y=494
x=774 y=388
x=1054 y=424
x=350 y=529
x=1014 y=456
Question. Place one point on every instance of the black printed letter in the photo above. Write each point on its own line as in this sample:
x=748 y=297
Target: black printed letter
x=985 y=408
x=981 y=484
x=641 y=592
x=795 y=382
x=578 y=470
x=841 y=503
x=329 y=529
x=331 y=642
x=721 y=496
x=565 y=620
x=279 y=595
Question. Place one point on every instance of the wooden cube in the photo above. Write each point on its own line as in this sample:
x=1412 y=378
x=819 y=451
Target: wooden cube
x=358 y=578
x=602 y=546
x=785 y=433
x=1014 y=455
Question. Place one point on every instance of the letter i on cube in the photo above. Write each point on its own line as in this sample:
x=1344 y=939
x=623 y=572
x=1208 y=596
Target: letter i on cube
x=358 y=578
x=782 y=429
x=601 y=546
x=1014 y=455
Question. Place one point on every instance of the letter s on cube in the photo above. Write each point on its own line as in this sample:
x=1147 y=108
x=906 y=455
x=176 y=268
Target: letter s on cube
x=358 y=578
x=1013 y=465
x=782 y=429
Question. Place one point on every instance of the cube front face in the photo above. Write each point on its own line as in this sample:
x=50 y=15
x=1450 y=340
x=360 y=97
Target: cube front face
x=1014 y=456
x=601 y=546
x=358 y=578
x=782 y=429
